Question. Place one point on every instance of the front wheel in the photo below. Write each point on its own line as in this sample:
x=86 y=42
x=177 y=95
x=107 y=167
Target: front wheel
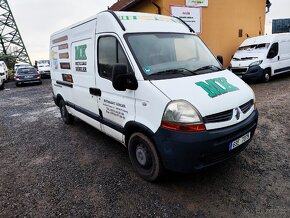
x=144 y=157
x=66 y=117
x=267 y=76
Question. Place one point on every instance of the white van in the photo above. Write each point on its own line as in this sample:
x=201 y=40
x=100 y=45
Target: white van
x=150 y=83
x=43 y=67
x=262 y=57
x=3 y=71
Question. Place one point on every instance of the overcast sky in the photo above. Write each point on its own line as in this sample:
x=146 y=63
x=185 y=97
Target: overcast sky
x=37 y=19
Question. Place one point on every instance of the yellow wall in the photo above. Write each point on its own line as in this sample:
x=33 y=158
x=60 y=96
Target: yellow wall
x=221 y=22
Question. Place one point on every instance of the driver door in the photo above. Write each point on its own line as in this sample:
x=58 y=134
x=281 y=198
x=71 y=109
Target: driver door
x=116 y=107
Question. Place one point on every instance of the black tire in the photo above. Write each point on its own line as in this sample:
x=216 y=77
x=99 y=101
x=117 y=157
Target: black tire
x=267 y=76
x=17 y=84
x=144 y=157
x=66 y=117
x=2 y=87
x=40 y=82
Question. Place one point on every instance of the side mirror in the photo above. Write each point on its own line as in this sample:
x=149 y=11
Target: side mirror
x=122 y=80
x=271 y=54
x=220 y=59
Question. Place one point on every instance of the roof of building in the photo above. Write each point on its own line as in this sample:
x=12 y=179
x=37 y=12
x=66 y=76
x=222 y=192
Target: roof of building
x=121 y=5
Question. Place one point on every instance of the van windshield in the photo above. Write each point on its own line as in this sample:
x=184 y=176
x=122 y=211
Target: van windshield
x=170 y=55
x=255 y=47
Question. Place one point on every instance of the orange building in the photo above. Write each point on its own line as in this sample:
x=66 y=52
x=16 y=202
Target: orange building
x=224 y=24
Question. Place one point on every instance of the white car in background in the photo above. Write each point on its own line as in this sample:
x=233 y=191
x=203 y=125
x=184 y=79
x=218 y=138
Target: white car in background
x=1 y=83
x=43 y=68
x=3 y=71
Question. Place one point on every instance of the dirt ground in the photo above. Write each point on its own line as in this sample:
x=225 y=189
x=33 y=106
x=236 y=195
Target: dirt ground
x=50 y=169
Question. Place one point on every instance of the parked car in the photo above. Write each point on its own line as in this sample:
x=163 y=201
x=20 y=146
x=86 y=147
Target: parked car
x=18 y=65
x=27 y=75
x=1 y=83
x=262 y=57
x=43 y=68
x=3 y=71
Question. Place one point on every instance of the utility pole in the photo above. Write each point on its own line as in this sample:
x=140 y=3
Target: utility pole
x=11 y=43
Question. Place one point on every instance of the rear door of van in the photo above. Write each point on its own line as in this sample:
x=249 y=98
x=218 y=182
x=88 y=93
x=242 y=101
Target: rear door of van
x=116 y=107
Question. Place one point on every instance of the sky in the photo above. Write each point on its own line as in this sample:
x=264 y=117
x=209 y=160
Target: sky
x=38 y=19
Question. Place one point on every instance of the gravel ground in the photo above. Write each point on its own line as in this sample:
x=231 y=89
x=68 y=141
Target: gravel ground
x=50 y=169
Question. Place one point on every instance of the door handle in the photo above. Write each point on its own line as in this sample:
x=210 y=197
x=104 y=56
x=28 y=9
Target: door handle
x=278 y=58
x=96 y=92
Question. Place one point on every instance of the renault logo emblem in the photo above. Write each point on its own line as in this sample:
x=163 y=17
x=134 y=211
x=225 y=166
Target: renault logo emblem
x=237 y=113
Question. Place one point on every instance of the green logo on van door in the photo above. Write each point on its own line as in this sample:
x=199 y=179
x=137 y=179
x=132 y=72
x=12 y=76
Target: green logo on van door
x=81 y=52
x=217 y=86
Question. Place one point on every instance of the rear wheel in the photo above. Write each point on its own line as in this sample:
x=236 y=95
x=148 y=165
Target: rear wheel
x=2 y=86
x=144 y=157
x=66 y=117
x=267 y=76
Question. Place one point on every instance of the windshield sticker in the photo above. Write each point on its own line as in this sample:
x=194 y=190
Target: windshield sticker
x=157 y=18
x=217 y=86
x=147 y=69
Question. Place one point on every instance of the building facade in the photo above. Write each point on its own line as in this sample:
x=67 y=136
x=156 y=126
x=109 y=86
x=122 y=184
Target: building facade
x=224 y=24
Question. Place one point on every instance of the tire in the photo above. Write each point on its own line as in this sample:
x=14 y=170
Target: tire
x=40 y=82
x=2 y=87
x=267 y=76
x=144 y=157
x=17 y=84
x=66 y=117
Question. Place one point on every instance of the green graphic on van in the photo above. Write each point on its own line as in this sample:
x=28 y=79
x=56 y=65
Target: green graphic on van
x=81 y=52
x=217 y=86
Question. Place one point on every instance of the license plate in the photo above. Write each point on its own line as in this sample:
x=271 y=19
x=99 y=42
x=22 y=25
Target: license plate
x=28 y=77
x=240 y=141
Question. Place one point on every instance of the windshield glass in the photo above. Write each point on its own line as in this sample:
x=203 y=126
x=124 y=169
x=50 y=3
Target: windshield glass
x=255 y=47
x=171 y=55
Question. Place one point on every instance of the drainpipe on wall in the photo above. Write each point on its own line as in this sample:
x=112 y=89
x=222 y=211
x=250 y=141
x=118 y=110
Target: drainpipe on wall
x=157 y=6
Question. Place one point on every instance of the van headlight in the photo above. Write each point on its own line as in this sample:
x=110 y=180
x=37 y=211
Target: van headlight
x=256 y=63
x=182 y=116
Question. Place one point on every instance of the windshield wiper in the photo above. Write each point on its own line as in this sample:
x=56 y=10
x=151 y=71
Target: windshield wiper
x=209 y=67
x=182 y=71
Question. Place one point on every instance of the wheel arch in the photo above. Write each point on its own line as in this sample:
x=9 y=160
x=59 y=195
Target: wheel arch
x=132 y=127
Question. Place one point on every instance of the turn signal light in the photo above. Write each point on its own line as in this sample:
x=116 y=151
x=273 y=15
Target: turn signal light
x=183 y=127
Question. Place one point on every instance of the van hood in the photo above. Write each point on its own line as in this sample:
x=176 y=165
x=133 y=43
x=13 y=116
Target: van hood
x=245 y=58
x=195 y=89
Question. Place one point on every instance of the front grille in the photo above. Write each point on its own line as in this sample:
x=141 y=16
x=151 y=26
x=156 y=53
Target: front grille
x=219 y=117
x=239 y=71
x=247 y=106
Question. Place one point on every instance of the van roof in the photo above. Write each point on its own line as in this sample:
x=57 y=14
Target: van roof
x=264 y=39
x=133 y=22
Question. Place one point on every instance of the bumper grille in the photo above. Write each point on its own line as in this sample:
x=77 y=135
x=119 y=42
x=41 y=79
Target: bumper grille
x=239 y=71
x=247 y=106
x=219 y=117
x=227 y=115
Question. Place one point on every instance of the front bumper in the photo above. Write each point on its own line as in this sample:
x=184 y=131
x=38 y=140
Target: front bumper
x=32 y=80
x=253 y=73
x=189 y=152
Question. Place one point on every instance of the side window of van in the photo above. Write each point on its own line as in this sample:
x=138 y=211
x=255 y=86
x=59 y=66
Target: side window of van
x=273 y=52
x=110 y=53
